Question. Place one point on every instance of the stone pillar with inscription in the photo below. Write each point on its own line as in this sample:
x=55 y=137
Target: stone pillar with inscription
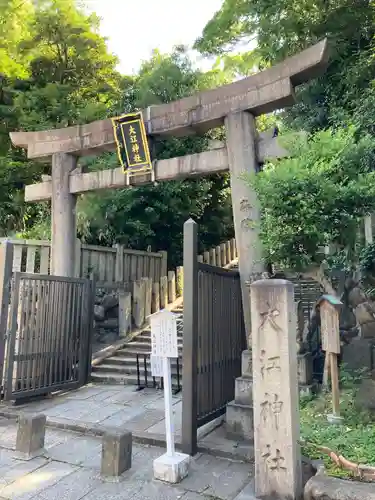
x=242 y=159
x=275 y=391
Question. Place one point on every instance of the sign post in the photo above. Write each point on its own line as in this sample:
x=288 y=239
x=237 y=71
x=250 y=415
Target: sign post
x=171 y=467
x=329 y=319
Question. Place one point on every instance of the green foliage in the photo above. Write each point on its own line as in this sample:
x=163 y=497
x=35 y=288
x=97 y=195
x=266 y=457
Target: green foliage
x=72 y=81
x=15 y=16
x=367 y=259
x=355 y=440
x=316 y=197
x=143 y=216
x=284 y=27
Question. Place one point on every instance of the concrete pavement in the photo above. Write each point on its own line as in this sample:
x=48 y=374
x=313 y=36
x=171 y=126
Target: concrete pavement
x=70 y=470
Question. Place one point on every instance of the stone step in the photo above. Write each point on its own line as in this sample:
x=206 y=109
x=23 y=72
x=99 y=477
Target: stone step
x=128 y=360
x=147 y=335
x=121 y=366
x=131 y=351
x=127 y=369
x=114 y=378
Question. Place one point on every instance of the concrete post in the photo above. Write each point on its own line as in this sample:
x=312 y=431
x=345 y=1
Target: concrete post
x=241 y=145
x=116 y=453
x=63 y=216
x=368 y=229
x=275 y=391
x=190 y=339
x=30 y=435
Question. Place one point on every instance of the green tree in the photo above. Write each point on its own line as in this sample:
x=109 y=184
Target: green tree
x=317 y=197
x=154 y=215
x=284 y=27
x=64 y=75
x=15 y=26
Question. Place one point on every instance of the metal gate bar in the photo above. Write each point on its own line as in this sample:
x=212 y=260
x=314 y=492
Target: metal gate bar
x=213 y=339
x=49 y=340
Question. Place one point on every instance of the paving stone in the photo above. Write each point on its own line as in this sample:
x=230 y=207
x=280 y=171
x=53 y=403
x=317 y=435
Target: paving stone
x=20 y=468
x=8 y=437
x=217 y=441
x=72 y=409
x=65 y=422
x=100 y=414
x=126 y=394
x=76 y=450
x=156 y=490
x=191 y=495
x=204 y=470
x=159 y=427
x=40 y=406
x=125 y=489
x=87 y=392
x=72 y=487
x=104 y=395
x=143 y=458
x=147 y=419
x=122 y=417
x=230 y=482
x=247 y=493
x=29 y=485
x=159 y=403
x=6 y=457
x=54 y=437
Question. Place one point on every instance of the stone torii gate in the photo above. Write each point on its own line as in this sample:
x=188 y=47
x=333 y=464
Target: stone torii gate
x=234 y=105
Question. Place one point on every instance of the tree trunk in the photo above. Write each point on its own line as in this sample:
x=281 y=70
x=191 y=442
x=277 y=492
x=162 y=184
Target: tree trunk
x=318 y=275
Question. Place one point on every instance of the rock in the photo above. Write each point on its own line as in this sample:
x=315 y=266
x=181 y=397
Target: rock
x=109 y=302
x=108 y=338
x=357 y=354
x=368 y=330
x=112 y=313
x=308 y=469
x=348 y=319
x=365 y=313
x=323 y=487
x=365 y=397
x=99 y=313
x=356 y=297
x=110 y=323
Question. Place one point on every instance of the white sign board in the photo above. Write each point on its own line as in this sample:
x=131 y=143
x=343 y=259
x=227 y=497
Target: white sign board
x=156 y=366
x=164 y=335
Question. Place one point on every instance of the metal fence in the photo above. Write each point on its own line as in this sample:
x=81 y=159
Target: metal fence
x=213 y=340
x=48 y=345
x=221 y=339
x=146 y=379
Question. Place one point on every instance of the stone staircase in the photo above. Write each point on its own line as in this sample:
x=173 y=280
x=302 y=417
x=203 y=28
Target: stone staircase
x=121 y=366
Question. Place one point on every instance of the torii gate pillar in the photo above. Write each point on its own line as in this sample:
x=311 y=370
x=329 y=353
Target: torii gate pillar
x=242 y=159
x=63 y=210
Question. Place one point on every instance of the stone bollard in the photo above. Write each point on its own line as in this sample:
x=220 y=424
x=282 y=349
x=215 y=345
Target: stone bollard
x=116 y=453
x=30 y=436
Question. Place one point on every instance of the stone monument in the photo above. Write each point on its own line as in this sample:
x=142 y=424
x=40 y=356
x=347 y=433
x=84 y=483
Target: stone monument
x=278 y=471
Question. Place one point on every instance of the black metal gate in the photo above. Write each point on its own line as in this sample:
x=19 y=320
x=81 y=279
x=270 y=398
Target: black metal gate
x=213 y=339
x=48 y=345
x=221 y=339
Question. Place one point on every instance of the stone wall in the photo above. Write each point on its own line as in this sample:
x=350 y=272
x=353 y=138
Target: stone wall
x=106 y=315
